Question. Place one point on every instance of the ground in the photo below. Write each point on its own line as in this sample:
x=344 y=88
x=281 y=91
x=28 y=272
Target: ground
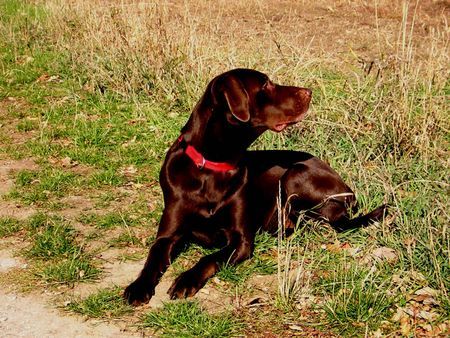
x=93 y=93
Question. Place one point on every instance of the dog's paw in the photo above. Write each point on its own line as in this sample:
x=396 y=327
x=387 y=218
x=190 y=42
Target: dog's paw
x=139 y=292
x=186 y=285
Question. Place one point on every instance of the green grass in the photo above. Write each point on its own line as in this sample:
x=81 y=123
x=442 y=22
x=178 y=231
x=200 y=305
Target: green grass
x=357 y=299
x=109 y=220
x=9 y=226
x=55 y=255
x=187 y=319
x=56 y=240
x=39 y=186
x=106 y=303
x=77 y=268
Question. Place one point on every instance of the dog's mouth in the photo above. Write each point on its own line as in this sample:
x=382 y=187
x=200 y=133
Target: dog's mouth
x=283 y=125
x=280 y=127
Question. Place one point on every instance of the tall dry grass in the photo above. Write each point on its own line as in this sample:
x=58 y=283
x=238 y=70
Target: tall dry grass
x=171 y=49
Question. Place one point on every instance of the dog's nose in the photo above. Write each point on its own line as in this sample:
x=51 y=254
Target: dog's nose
x=305 y=93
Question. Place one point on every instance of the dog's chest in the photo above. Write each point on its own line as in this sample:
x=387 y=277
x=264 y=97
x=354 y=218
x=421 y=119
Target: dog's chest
x=211 y=195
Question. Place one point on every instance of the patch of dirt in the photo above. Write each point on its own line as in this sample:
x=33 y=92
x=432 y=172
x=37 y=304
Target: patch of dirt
x=320 y=28
x=28 y=316
x=7 y=167
x=8 y=261
x=77 y=206
x=31 y=316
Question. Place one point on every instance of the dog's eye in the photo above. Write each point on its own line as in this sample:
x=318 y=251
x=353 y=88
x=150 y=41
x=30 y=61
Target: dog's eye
x=268 y=86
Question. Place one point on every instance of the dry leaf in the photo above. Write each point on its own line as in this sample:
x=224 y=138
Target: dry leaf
x=384 y=253
x=426 y=296
x=427 y=315
x=377 y=334
x=295 y=327
x=129 y=142
x=129 y=171
x=405 y=326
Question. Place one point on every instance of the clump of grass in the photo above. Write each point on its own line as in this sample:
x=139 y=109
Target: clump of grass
x=106 y=303
x=26 y=125
x=357 y=298
x=54 y=240
x=9 y=226
x=291 y=281
x=109 y=177
x=78 y=268
x=188 y=319
x=126 y=238
x=39 y=220
x=57 y=257
x=39 y=186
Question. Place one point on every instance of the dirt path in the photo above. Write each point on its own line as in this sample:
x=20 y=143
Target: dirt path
x=31 y=316
x=27 y=316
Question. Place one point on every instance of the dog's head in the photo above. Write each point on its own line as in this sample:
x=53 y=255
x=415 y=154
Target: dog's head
x=249 y=96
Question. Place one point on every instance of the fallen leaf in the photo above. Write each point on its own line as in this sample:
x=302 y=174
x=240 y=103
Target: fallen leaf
x=67 y=162
x=405 y=326
x=384 y=253
x=295 y=327
x=427 y=315
x=44 y=77
x=377 y=334
x=426 y=296
x=129 y=171
x=129 y=142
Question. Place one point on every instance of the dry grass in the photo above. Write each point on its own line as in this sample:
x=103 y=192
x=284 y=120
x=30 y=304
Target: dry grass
x=170 y=50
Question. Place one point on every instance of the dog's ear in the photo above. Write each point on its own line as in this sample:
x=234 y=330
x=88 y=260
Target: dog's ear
x=237 y=98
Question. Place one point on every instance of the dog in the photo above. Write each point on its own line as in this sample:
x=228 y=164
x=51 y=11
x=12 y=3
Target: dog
x=218 y=194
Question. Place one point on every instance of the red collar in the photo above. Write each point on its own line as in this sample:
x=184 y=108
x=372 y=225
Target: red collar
x=202 y=162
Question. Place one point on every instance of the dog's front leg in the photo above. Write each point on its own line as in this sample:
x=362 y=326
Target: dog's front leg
x=240 y=245
x=158 y=260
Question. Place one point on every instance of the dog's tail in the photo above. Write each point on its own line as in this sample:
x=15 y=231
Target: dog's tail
x=362 y=221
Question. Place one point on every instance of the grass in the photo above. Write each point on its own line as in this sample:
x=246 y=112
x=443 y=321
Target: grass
x=71 y=270
x=110 y=86
x=54 y=255
x=56 y=240
x=357 y=298
x=106 y=303
x=35 y=187
x=187 y=319
x=9 y=226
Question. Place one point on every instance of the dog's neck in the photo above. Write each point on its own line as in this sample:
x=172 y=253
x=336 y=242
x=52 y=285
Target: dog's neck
x=215 y=138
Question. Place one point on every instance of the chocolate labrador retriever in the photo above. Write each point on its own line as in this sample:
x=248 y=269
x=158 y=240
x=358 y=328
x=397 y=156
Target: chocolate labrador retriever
x=217 y=193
